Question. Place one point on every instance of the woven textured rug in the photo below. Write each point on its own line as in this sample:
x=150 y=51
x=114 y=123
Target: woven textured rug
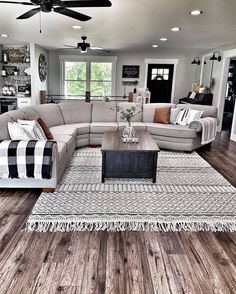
x=189 y=195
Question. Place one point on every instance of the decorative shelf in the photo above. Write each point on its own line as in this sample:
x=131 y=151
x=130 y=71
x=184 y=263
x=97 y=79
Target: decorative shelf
x=130 y=83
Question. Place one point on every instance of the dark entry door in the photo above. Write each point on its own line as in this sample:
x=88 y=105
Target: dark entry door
x=159 y=82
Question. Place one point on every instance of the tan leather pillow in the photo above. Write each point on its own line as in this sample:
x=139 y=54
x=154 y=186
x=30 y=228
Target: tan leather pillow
x=162 y=115
x=45 y=128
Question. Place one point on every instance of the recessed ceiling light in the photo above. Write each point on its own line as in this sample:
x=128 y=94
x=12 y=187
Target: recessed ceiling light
x=154 y=45
x=176 y=29
x=4 y=35
x=196 y=12
x=163 y=39
x=76 y=27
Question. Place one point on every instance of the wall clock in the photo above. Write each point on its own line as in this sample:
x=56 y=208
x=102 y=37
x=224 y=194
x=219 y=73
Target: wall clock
x=42 y=67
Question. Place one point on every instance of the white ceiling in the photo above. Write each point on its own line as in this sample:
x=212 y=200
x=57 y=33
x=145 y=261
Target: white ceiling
x=128 y=25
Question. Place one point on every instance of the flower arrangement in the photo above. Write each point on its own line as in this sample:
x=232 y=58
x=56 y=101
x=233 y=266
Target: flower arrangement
x=128 y=113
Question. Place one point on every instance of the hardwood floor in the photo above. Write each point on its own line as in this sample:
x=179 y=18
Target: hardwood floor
x=116 y=263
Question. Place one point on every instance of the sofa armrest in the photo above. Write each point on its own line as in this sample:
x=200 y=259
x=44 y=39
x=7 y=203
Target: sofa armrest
x=195 y=125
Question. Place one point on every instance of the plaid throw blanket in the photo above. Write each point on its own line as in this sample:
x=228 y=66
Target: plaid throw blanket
x=26 y=159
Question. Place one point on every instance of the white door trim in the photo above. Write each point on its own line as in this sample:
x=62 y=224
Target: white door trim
x=222 y=90
x=162 y=61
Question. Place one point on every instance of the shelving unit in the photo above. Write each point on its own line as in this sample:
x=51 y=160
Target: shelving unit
x=22 y=79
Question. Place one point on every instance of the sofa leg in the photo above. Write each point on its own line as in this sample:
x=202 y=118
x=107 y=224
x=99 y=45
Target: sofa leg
x=48 y=190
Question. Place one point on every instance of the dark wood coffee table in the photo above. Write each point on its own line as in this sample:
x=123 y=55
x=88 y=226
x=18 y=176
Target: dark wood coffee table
x=127 y=160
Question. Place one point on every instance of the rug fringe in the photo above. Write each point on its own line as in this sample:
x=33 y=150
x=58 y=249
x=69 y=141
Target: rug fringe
x=43 y=226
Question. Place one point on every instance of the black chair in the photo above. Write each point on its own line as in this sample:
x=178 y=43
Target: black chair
x=200 y=98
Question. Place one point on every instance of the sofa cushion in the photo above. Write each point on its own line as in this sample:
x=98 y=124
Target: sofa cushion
x=63 y=130
x=65 y=139
x=76 y=112
x=16 y=114
x=138 y=126
x=102 y=127
x=4 y=119
x=103 y=112
x=149 y=110
x=127 y=105
x=50 y=113
x=175 y=131
x=30 y=113
x=71 y=129
x=208 y=111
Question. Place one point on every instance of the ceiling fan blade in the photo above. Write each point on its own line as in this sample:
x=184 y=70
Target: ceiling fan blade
x=71 y=13
x=14 y=2
x=30 y=13
x=69 y=46
x=87 y=3
x=99 y=49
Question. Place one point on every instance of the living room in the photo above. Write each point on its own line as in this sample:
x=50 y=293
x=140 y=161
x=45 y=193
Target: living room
x=117 y=146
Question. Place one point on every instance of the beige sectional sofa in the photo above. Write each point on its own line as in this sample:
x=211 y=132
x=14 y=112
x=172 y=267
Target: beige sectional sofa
x=77 y=124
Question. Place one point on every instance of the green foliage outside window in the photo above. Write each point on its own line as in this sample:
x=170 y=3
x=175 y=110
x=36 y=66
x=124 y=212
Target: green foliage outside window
x=100 y=78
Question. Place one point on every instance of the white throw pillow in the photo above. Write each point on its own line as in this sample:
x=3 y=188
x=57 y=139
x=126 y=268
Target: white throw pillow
x=17 y=132
x=183 y=117
x=174 y=115
x=37 y=129
x=194 y=114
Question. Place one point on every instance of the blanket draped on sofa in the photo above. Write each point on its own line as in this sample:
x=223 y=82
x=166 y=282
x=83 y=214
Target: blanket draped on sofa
x=26 y=159
x=208 y=125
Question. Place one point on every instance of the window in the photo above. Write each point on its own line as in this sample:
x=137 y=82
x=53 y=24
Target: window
x=101 y=79
x=96 y=76
x=160 y=74
x=75 y=78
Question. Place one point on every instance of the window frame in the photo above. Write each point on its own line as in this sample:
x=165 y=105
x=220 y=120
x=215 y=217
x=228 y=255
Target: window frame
x=88 y=60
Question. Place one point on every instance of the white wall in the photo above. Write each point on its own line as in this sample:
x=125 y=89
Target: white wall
x=36 y=84
x=186 y=73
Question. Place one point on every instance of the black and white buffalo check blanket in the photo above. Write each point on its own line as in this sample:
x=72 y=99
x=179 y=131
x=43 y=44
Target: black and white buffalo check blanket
x=26 y=159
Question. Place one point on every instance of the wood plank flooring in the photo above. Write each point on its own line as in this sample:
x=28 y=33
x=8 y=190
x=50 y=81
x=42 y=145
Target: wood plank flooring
x=116 y=263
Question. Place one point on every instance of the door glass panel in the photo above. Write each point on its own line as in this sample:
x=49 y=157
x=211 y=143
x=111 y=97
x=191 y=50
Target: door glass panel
x=166 y=77
x=154 y=71
x=154 y=77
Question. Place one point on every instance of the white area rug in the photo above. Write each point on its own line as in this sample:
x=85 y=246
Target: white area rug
x=189 y=195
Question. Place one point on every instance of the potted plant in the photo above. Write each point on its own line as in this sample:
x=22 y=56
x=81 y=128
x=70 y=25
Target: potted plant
x=127 y=114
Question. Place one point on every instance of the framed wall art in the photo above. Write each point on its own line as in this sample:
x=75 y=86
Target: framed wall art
x=130 y=71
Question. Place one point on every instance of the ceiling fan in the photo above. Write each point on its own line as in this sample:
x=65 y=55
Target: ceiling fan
x=60 y=7
x=84 y=47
